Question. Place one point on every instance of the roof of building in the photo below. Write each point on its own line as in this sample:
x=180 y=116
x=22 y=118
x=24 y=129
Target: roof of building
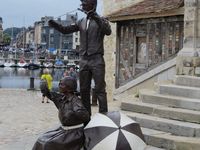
x=147 y=8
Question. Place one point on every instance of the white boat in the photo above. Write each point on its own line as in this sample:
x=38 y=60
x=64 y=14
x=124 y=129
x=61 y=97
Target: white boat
x=2 y=63
x=71 y=64
x=22 y=63
x=77 y=68
x=59 y=64
x=34 y=64
x=48 y=64
x=9 y=63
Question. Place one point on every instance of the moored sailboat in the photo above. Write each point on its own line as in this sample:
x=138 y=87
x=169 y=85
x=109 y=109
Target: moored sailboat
x=48 y=64
x=34 y=64
x=59 y=64
x=22 y=63
x=9 y=63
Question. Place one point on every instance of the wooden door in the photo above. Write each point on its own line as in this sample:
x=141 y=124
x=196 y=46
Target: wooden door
x=141 y=51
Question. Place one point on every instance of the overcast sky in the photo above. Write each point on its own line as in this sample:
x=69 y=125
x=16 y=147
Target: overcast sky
x=20 y=13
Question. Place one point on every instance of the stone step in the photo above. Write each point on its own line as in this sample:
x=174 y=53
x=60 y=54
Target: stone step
x=149 y=96
x=173 y=126
x=148 y=147
x=170 y=142
x=161 y=111
x=185 y=80
x=177 y=90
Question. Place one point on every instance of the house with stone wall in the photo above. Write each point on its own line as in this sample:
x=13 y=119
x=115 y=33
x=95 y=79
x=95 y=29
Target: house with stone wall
x=147 y=36
x=153 y=68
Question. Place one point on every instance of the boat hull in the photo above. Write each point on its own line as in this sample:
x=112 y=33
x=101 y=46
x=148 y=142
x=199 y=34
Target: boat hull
x=33 y=66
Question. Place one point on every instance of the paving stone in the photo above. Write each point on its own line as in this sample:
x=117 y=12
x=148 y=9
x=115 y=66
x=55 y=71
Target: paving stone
x=23 y=118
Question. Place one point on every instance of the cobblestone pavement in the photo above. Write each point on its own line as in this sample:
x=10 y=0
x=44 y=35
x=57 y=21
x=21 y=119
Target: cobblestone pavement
x=23 y=118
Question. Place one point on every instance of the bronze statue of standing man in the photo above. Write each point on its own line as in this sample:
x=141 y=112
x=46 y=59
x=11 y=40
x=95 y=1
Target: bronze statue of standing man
x=92 y=29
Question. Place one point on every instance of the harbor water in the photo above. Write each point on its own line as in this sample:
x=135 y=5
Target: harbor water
x=11 y=77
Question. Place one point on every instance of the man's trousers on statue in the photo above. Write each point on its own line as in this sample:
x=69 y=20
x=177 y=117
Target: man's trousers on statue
x=93 y=67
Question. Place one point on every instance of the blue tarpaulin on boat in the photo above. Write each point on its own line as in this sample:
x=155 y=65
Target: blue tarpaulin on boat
x=51 y=49
x=59 y=62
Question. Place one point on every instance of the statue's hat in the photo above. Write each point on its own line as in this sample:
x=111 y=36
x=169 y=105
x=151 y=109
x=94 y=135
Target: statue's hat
x=94 y=2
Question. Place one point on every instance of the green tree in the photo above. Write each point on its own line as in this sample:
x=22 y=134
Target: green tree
x=13 y=31
x=6 y=39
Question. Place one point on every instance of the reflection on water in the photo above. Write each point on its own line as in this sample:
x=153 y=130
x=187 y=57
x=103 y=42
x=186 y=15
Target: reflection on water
x=20 y=77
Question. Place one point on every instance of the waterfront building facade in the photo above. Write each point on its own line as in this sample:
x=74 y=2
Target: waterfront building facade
x=37 y=33
x=41 y=36
x=21 y=39
x=29 y=36
x=1 y=31
x=53 y=39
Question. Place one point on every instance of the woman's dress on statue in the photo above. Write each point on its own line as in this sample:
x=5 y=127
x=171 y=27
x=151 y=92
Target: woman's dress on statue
x=70 y=135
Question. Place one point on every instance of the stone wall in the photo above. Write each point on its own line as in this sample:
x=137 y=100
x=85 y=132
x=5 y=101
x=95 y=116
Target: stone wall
x=164 y=73
x=188 y=60
x=110 y=43
x=110 y=6
x=109 y=55
x=165 y=77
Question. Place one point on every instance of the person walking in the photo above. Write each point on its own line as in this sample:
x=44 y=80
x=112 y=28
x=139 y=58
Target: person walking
x=72 y=73
x=66 y=73
x=46 y=77
x=92 y=29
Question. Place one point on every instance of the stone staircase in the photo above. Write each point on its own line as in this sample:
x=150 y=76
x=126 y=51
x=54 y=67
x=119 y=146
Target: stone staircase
x=170 y=116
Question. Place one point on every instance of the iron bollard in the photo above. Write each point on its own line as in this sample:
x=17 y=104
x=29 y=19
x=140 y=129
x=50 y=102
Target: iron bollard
x=32 y=83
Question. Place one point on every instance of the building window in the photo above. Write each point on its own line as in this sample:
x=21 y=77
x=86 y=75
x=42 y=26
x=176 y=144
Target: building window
x=52 y=39
x=44 y=31
x=51 y=31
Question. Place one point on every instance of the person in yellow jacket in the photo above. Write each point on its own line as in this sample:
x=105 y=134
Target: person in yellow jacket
x=46 y=77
